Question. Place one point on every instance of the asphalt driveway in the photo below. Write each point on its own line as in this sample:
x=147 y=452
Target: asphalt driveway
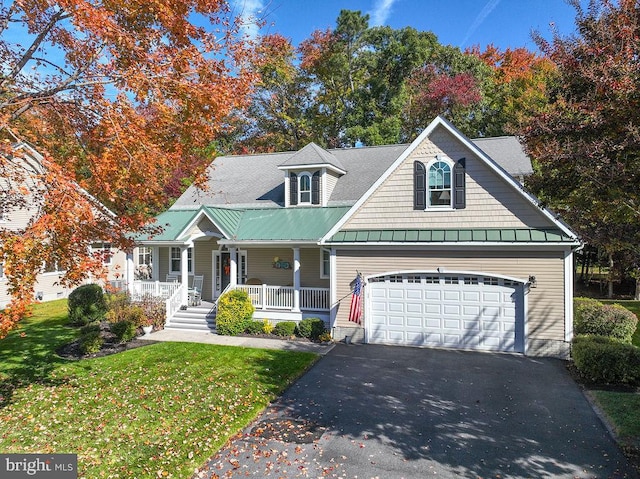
x=394 y=412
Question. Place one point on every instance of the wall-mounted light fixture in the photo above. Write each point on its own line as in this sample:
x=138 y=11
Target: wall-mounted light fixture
x=533 y=282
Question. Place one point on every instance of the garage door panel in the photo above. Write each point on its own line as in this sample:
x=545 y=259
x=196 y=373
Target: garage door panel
x=471 y=325
x=451 y=295
x=413 y=294
x=414 y=308
x=466 y=312
x=455 y=324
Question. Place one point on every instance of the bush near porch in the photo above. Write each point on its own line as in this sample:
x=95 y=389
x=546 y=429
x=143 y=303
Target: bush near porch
x=157 y=411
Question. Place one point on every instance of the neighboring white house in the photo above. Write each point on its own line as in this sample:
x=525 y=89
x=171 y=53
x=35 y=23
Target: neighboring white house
x=47 y=287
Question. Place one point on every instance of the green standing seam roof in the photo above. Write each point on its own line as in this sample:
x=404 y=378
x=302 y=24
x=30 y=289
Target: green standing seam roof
x=173 y=224
x=260 y=224
x=482 y=235
x=287 y=224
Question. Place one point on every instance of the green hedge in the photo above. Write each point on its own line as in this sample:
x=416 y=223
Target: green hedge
x=285 y=328
x=311 y=328
x=86 y=304
x=606 y=361
x=254 y=327
x=234 y=313
x=591 y=317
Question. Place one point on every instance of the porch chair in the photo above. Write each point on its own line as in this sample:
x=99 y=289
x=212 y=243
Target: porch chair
x=173 y=278
x=195 y=291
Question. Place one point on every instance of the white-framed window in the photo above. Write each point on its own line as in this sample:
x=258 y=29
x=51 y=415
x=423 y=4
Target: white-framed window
x=439 y=192
x=145 y=255
x=50 y=267
x=175 y=260
x=325 y=262
x=103 y=249
x=304 y=189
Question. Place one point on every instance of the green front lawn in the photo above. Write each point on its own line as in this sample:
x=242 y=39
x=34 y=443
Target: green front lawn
x=156 y=411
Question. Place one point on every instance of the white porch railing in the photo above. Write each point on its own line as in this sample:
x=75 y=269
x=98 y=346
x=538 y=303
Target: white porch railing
x=170 y=292
x=265 y=296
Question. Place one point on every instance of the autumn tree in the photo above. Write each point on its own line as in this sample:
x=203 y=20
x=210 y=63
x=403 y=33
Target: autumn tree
x=517 y=87
x=586 y=144
x=123 y=99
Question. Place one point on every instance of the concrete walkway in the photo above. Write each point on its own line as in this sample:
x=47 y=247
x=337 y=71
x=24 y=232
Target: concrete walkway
x=207 y=337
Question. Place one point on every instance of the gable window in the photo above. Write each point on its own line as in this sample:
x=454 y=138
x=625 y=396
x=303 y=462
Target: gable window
x=325 y=262
x=175 y=260
x=441 y=185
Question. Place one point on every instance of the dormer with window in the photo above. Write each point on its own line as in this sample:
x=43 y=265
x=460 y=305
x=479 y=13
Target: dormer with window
x=439 y=184
x=310 y=175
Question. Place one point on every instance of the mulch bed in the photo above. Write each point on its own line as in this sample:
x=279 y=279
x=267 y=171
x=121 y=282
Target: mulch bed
x=110 y=346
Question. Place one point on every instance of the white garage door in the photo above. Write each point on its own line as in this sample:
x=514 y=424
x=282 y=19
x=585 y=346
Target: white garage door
x=446 y=310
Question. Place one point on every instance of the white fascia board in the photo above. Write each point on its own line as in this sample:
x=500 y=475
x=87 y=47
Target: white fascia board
x=328 y=166
x=202 y=212
x=460 y=245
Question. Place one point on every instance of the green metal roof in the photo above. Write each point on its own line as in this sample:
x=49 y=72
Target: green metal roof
x=260 y=224
x=172 y=222
x=226 y=219
x=481 y=235
x=287 y=224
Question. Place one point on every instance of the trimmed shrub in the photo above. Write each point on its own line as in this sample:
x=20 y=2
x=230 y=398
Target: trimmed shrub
x=611 y=320
x=86 y=304
x=234 y=313
x=91 y=342
x=285 y=328
x=267 y=326
x=606 y=361
x=254 y=327
x=89 y=328
x=117 y=304
x=124 y=331
x=310 y=328
x=325 y=337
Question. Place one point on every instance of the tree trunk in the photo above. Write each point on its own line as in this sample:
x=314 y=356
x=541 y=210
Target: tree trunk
x=610 y=292
x=636 y=296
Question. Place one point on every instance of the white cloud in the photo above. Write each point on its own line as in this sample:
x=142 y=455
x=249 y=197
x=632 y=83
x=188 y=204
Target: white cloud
x=381 y=11
x=249 y=11
x=484 y=13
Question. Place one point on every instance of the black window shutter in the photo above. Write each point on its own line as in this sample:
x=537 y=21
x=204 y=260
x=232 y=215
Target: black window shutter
x=293 y=189
x=459 y=198
x=419 y=186
x=315 y=188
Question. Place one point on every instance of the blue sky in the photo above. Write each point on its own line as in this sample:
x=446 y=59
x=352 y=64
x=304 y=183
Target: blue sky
x=462 y=23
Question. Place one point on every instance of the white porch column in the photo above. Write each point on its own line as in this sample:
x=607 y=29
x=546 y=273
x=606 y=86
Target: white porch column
x=296 y=280
x=184 y=274
x=233 y=267
x=129 y=273
x=333 y=289
x=155 y=263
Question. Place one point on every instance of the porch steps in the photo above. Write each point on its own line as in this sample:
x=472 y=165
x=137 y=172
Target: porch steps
x=198 y=318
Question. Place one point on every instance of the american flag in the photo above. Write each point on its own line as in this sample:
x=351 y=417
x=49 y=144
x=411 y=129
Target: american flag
x=355 y=311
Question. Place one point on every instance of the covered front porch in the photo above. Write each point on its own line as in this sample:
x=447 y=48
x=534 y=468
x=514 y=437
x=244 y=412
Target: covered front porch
x=285 y=273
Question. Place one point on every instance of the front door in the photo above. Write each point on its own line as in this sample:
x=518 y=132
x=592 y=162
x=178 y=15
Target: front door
x=222 y=270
